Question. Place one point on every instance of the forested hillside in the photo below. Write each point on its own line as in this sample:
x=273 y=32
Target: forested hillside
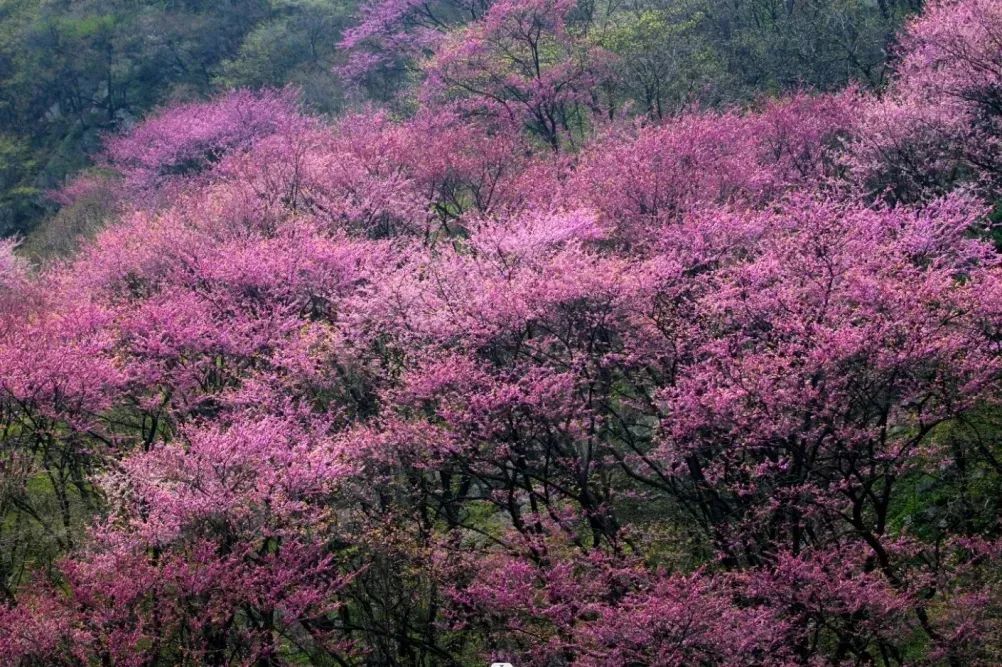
x=549 y=332
x=73 y=71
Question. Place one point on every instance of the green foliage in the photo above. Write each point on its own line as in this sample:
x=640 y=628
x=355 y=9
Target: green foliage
x=63 y=232
x=665 y=60
x=965 y=497
x=70 y=72
x=45 y=502
x=296 y=46
x=712 y=52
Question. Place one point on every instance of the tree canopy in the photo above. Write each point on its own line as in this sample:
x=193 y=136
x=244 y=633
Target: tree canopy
x=510 y=368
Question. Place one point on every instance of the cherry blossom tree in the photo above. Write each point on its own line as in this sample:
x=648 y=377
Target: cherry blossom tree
x=524 y=62
x=939 y=123
x=184 y=140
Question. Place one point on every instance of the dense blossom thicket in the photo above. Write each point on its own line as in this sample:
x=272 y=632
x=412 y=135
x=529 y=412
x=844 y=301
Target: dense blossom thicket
x=507 y=379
